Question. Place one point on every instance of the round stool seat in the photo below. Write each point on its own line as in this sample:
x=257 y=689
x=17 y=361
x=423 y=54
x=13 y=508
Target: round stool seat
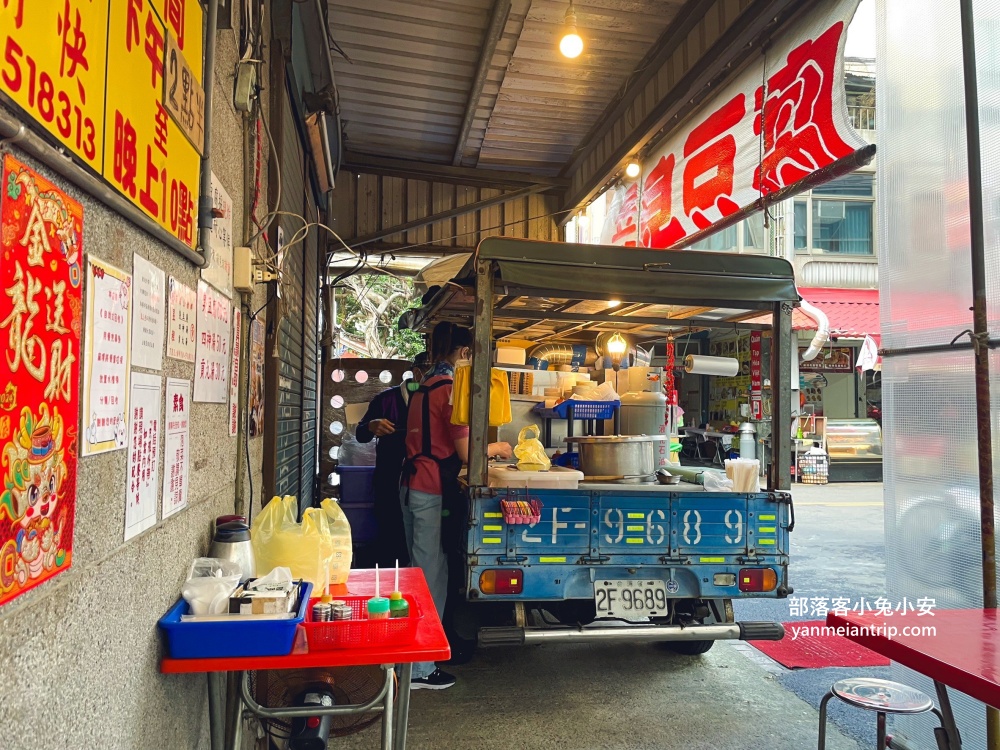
x=881 y=695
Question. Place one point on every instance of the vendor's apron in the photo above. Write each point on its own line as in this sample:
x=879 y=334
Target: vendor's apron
x=454 y=507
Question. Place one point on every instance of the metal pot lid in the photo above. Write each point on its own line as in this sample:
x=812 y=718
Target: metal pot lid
x=233 y=531
x=599 y=439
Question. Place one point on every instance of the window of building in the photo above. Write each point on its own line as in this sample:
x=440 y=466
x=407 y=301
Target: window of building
x=842 y=223
x=800 y=232
x=754 y=234
x=722 y=241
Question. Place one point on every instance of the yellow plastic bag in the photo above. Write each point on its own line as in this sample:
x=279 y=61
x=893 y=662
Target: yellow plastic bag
x=461 y=395
x=317 y=550
x=530 y=452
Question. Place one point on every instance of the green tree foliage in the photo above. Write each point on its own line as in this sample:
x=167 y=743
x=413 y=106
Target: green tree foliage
x=368 y=308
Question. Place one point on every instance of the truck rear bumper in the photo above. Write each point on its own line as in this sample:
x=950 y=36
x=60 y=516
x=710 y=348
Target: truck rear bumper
x=742 y=631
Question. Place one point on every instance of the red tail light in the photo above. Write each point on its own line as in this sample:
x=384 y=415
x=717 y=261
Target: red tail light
x=502 y=581
x=758 y=579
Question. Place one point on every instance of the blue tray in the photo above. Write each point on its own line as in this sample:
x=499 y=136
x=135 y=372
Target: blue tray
x=581 y=409
x=243 y=637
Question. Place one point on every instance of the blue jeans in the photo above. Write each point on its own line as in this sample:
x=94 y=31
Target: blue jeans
x=422 y=525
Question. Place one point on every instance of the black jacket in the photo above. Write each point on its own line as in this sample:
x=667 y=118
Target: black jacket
x=391 y=404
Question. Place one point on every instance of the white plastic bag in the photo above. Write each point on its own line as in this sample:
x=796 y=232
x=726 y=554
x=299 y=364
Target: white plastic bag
x=353 y=453
x=209 y=585
x=713 y=482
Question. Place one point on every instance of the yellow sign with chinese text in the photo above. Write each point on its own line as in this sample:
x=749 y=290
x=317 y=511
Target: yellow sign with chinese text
x=91 y=73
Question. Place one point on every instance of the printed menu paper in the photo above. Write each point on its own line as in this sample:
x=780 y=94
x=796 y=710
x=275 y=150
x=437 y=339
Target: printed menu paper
x=211 y=367
x=148 y=299
x=176 y=446
x=234 y=376
x=142 y=474
x=181 y=334
x=106 y=360
x=219 y=269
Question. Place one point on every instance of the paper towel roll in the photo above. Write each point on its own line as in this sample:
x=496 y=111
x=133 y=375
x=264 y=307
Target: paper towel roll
x=699 y=364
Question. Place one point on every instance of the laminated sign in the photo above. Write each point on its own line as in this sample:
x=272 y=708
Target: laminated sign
x=118 y=83
x=41 y=284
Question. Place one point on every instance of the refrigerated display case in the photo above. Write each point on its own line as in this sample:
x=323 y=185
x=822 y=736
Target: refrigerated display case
x=855 y=449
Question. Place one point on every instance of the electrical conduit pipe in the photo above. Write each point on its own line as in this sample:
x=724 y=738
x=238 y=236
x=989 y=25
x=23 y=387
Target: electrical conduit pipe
x=822 y=336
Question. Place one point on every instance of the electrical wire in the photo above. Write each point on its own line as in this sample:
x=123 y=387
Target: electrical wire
x=269 y=218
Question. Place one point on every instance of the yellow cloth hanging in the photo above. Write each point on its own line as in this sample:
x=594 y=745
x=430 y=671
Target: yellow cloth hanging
x=461 y=396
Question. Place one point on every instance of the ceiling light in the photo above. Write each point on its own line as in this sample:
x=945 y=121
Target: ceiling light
x=632 y=170
x=571 y=44
x=614 y=302
x=616 y=349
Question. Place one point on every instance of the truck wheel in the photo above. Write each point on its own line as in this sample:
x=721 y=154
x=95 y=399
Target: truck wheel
x=689 y=648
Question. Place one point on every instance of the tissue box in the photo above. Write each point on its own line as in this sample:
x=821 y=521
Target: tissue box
x=272 y=599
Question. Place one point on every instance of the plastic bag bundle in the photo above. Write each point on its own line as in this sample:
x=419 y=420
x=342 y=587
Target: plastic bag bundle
x=461 y=397
x=315 y=549
x=530 y=452
x=353 y=453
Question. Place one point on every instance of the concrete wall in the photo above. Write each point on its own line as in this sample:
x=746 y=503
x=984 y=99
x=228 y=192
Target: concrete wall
x=80 y=653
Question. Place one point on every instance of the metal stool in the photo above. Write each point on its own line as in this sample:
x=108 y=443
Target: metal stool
x=882 y=696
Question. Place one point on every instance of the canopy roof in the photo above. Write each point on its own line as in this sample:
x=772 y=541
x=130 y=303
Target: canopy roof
x=565 y=291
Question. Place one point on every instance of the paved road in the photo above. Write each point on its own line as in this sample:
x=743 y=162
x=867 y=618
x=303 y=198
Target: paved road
x=837 y=550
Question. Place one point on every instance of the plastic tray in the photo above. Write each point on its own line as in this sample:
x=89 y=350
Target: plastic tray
x=581 y=409
x=360 y=631
x=568 y=460
x=243 y=637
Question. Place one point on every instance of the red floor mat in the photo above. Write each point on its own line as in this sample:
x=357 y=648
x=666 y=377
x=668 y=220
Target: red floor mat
x=813 y=650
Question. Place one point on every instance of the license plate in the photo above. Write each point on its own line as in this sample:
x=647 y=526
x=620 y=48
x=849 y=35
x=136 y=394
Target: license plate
x=630 y=600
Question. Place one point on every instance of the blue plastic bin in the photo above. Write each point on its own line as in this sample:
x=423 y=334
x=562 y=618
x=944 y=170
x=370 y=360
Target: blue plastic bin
x=357 y=500
x=241 y=637
x=581 y=409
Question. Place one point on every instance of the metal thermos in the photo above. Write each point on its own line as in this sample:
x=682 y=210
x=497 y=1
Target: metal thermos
x=232 y=542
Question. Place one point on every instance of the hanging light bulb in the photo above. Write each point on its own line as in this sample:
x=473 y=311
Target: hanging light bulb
x=571 y=44
x=616 y=347
x=632 y=169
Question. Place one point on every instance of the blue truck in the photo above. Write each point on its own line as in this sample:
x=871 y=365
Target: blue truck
x=607 y=560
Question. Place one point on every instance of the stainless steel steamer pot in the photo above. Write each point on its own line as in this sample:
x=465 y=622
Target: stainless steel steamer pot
x=612 y=457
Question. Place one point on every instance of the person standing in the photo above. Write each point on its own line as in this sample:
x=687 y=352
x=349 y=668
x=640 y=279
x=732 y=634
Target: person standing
x=386 y=420
x=432 y=501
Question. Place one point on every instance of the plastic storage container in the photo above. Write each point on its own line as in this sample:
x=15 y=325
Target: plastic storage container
x=556 y=478
x=244 y=636
x=357 y=500
x=581 y=409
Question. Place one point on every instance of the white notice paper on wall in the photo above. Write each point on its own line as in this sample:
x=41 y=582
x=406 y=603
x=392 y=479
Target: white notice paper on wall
x=148 y=298
x=175 y=449
x=182 y=328
x=234 y=376
x=142 y=473
x=106 y=358
x=211 y=366
x=219 y=271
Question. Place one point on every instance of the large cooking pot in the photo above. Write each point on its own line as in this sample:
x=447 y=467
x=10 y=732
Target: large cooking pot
x=613 y=457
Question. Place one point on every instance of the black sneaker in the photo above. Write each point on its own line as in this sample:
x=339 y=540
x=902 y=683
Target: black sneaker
x=436 y=680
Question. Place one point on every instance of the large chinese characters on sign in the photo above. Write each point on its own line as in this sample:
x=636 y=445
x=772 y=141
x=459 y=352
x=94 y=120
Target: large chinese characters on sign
x=116 y=82
x=765 y=135
x=41 y=252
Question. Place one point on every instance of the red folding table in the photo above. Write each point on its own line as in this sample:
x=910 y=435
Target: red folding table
x=962 y=652
x=428 y=644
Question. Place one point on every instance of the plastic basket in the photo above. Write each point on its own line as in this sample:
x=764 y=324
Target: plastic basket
x=581 y=409
x=568 y=460
x=527 y=511
x=814 y=469
x=241 y=637
x=359 y=630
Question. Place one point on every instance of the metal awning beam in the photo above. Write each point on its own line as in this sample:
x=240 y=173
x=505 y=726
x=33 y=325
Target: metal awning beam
x=451 y=213
x=541 y=315
x=471 y=176
x=498 y=22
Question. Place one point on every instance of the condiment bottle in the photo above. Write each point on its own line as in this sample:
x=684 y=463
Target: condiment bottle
x=398 y=606
x=378 y=606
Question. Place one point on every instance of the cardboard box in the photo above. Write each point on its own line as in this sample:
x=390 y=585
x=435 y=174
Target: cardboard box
x=271 y=601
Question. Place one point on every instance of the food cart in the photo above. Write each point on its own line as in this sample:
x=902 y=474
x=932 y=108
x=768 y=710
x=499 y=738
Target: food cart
x=668 y=560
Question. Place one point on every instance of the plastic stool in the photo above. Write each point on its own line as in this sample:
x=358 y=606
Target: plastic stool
x=882 y=696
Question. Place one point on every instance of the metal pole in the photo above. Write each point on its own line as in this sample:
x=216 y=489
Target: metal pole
x=403 y=709
x=781 y=397
x=980 y=330
x=482 y=355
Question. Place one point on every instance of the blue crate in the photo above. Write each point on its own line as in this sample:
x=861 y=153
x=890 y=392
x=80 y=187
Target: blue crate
x=241 y=637
x=581 y=409
x=568 y=460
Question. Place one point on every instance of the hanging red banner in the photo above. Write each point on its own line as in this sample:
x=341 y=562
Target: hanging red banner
x=778 y=128
x=41 y=253
x=756 y=378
